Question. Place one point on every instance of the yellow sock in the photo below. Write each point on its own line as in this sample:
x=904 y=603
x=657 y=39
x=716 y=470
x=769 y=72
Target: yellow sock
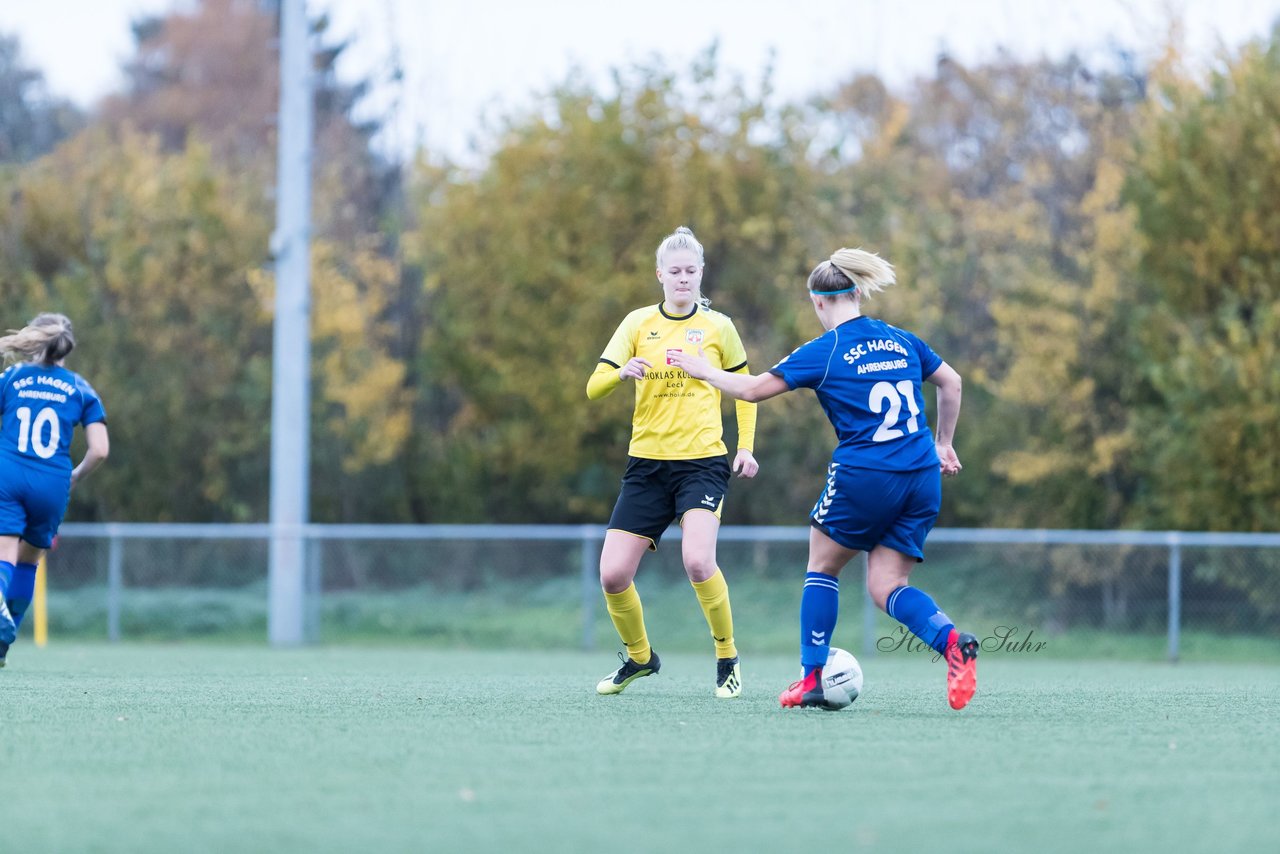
x=713 y=596
x=628 y=618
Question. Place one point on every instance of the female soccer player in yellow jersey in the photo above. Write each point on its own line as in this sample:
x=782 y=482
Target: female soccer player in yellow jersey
x=677 y=465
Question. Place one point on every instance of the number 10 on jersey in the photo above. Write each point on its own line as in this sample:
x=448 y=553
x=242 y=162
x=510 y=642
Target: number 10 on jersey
x=32 y=433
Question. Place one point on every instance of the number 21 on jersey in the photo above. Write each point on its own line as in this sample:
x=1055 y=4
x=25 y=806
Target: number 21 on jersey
x=882 y=393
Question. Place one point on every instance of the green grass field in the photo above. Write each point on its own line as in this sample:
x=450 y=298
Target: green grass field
x=153 y=748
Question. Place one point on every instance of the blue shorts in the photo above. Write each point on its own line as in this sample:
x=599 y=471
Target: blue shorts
x=864 y=508
x=32 y=503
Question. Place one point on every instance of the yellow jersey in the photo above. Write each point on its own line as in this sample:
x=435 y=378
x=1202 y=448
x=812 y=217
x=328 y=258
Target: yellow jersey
x=676 y=417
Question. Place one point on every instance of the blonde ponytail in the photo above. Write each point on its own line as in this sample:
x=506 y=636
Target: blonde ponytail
x=46 y=339
x=851 y=271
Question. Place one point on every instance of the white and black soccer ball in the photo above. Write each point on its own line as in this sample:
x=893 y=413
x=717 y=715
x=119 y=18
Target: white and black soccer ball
x=841 y=679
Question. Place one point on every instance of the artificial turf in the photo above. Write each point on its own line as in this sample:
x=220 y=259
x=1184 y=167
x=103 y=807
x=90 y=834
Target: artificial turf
x=155 y=748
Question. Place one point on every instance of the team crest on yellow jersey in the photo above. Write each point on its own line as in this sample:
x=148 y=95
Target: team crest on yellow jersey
x=693 y=336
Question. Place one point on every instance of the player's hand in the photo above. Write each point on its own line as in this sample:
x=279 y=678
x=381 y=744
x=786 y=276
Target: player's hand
x=950 y=463
x=633 y=369
x=744 y=464
x=695 y=366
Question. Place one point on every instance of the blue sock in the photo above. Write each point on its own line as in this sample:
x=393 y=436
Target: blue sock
x=21 y=590
x=819 y=607
x=6 y=578
x=921 y=615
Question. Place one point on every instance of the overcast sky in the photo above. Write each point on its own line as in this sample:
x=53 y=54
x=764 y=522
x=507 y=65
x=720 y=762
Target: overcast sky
x=461 y=58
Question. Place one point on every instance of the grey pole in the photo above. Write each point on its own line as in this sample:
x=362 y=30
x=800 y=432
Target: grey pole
x=589 y=551
x=1175 y=599
x=314 y=586
x=115 y=582
x=291 y=359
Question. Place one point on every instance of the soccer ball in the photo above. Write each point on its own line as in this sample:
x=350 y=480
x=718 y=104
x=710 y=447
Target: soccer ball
x=841 y=679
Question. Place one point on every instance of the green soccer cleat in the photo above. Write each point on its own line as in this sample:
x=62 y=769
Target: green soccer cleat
x=728 y=678
x=629 y=672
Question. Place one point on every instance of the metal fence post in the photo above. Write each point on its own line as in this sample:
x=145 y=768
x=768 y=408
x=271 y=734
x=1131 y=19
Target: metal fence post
x=1175 y=598
x=590 y=562
x=115 y=585
x=313 y=586
x=868 y=613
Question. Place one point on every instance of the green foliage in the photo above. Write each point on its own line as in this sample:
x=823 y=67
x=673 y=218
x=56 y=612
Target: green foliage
x=150 y=254
x=1098 y=254
x=533 y=263
x=994 y=190
x=1207 y=193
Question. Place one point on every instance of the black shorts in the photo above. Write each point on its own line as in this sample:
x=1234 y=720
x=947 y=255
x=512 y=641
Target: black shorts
x=657 y=492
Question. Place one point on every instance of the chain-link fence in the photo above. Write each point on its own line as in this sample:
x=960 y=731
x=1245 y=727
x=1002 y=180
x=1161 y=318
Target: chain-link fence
x=536 y=586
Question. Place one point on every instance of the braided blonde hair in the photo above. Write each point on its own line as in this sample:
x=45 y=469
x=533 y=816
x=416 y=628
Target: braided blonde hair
x=854 y=272
x=46 y=339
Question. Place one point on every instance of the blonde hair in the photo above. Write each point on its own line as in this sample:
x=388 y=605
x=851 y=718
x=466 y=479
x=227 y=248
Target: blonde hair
x=46 y=339
x=855 y=272
x=682 y=238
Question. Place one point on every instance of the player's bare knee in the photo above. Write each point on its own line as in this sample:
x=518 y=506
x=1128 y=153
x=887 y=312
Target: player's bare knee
x=615 y=579
x=699 y=567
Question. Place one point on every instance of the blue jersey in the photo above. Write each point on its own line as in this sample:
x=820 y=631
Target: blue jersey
x=40 y=406
x=868 y=375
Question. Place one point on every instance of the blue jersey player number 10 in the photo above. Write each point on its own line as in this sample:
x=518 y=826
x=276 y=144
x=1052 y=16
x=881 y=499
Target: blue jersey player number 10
x=41 y=402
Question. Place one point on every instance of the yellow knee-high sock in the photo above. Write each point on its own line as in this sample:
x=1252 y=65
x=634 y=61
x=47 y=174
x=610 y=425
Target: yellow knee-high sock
x=713 y=596
x=628 y=618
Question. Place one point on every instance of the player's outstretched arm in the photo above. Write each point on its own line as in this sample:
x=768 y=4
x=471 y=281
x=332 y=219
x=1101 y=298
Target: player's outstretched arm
x=740 y=386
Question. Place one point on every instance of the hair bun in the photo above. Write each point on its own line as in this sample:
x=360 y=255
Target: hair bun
x=683 y=230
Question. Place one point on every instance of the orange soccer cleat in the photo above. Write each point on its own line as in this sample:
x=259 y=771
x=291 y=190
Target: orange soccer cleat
x=962 y=668
x=807 y=693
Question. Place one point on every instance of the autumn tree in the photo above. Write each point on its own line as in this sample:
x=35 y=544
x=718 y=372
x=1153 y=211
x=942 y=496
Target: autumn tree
x=994 y=190
x=207 y=76
x=1207 y=191
x=151 y=256
x=532 y=263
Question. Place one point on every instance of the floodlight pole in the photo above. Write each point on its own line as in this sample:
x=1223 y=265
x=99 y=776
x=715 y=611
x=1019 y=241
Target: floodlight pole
x=291 y=359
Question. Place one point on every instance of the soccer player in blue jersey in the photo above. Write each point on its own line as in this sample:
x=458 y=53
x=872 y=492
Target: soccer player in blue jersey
x=884 y=483
x=41 y=402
